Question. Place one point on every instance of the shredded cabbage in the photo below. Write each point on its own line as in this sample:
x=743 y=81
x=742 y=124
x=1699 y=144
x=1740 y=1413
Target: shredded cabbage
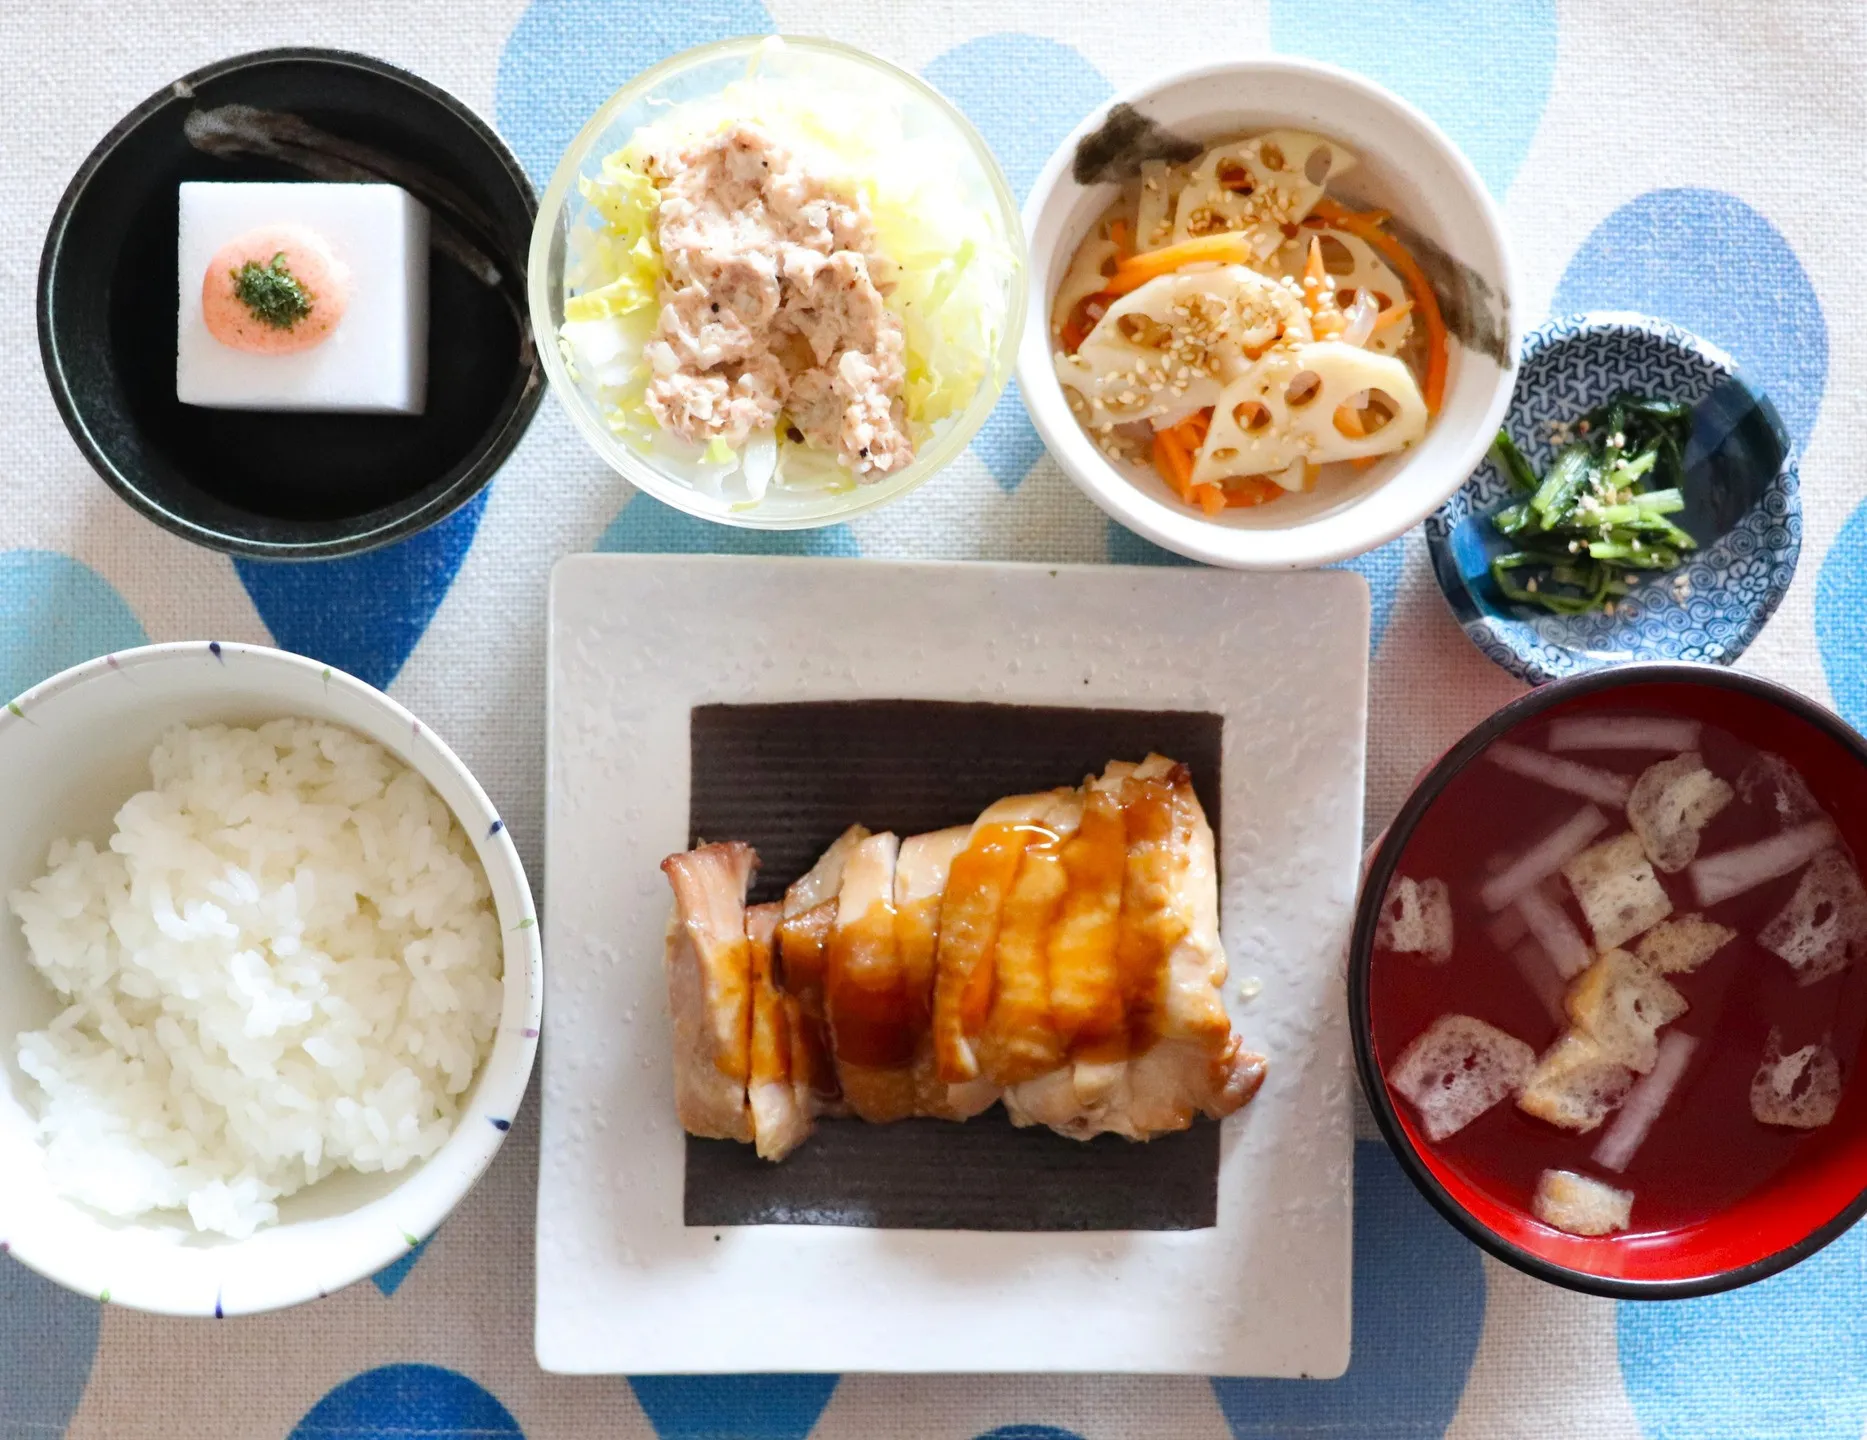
x=952 y=259
x=614 y=275
x=624 y=200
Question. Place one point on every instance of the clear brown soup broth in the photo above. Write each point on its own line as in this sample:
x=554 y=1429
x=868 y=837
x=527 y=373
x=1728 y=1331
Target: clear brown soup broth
x=1706 y=1151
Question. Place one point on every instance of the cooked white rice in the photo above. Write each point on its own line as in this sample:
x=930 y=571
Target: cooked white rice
x=286 y=963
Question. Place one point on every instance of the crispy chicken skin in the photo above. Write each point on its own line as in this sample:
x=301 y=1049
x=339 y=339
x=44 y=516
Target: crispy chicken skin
x=1061 y=954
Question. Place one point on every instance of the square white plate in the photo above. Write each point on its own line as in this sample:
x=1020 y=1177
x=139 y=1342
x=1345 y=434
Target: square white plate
x=636 y=641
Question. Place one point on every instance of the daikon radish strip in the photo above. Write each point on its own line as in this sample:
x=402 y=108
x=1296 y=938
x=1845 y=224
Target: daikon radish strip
x=1540 y=975
x=1732 y=872
x=1544 y=858
x=1623 y=732
x=1568 y=952
x=1644 y=1102
x=1507 y=928
x=1604 y=787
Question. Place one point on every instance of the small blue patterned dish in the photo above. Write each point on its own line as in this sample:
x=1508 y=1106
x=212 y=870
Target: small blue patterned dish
x=1743 y=505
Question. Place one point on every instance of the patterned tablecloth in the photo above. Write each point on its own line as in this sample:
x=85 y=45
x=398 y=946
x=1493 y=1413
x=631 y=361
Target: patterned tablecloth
x=1699 y=162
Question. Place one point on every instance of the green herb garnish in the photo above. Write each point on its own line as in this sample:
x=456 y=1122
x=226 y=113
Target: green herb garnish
x=1597 y=517
x=272 y=293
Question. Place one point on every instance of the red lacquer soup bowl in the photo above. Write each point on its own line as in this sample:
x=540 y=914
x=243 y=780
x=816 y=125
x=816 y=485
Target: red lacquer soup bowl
x=1720 y=1196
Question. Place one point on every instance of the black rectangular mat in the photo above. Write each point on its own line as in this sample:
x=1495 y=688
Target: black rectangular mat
x=788 y=779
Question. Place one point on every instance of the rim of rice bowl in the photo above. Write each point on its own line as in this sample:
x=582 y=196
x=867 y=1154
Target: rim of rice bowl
x=72 y=750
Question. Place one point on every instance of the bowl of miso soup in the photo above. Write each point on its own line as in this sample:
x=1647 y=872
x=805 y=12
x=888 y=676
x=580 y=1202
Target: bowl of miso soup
x=1608 y=981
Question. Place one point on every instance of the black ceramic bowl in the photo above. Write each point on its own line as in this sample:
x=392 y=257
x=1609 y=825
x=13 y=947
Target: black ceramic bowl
x=279 y=485
x=1819 y=1188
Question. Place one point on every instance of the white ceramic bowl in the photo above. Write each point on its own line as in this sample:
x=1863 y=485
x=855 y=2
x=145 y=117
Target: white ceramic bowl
x=72 y=750
x=1408 y=167
x=701 y=73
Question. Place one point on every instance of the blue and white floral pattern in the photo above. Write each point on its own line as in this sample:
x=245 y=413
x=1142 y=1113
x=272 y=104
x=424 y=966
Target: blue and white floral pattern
x=1732 y=585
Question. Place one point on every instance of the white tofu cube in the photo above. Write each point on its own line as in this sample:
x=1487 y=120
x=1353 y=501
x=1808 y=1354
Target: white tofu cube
x=375 y=361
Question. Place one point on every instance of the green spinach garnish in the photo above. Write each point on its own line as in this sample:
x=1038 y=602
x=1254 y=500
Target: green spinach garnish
x=1597 y=517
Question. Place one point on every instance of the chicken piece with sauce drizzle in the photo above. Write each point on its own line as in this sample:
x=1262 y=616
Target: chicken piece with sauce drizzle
x=742 y=1067
x=1061 y=955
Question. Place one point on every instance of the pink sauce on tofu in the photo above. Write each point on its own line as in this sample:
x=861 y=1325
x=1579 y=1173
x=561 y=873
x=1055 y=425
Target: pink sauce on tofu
x=1748 y=1002
x=276 y=290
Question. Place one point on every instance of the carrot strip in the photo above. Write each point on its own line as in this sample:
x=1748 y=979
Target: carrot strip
x=1191 y=432
x=1393 y=314
x=1124 y=242
x=1228 y=247
x=1174 y=464
x=1313 y=271
x=1348 y=421
x=1325 y=318
x=1252 y=490
x=1425 y=300
x=1211 y=498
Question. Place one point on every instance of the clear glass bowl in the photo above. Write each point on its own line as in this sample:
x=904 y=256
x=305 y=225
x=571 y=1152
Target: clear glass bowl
x=697 y=74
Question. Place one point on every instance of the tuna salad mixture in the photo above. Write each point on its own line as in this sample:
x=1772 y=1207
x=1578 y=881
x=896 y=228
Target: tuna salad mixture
x=789 y=291
x=772 y=306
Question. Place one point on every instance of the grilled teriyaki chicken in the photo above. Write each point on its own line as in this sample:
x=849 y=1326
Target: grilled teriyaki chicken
x=1060 y=954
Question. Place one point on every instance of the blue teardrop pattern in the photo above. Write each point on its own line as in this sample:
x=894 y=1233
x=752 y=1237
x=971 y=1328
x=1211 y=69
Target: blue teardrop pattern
x=56 y=612
x=729 y=1407
x=389 y=1279
x=1482 y=70
x=1007 y=442
x=48 y=1341
x=1381 y=568
x=1029 y=1432
x=1707 y=261
x=366 y=613
x=1125 y=547
x=1784 y=1359
x=407 y=1402
x=1841 y=618
x=564 y=58
x=647 y=527
x=1025 y=93
x=1419 y=1311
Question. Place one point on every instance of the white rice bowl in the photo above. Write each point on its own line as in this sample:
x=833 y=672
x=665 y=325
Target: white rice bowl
x=285 y=963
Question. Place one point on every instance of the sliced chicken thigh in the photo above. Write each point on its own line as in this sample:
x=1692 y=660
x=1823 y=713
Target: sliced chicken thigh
x=921 y=875
x=1062 y=953
x=709 y=988
x=866 y=998
x=780 y=1103
x=803 y=949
